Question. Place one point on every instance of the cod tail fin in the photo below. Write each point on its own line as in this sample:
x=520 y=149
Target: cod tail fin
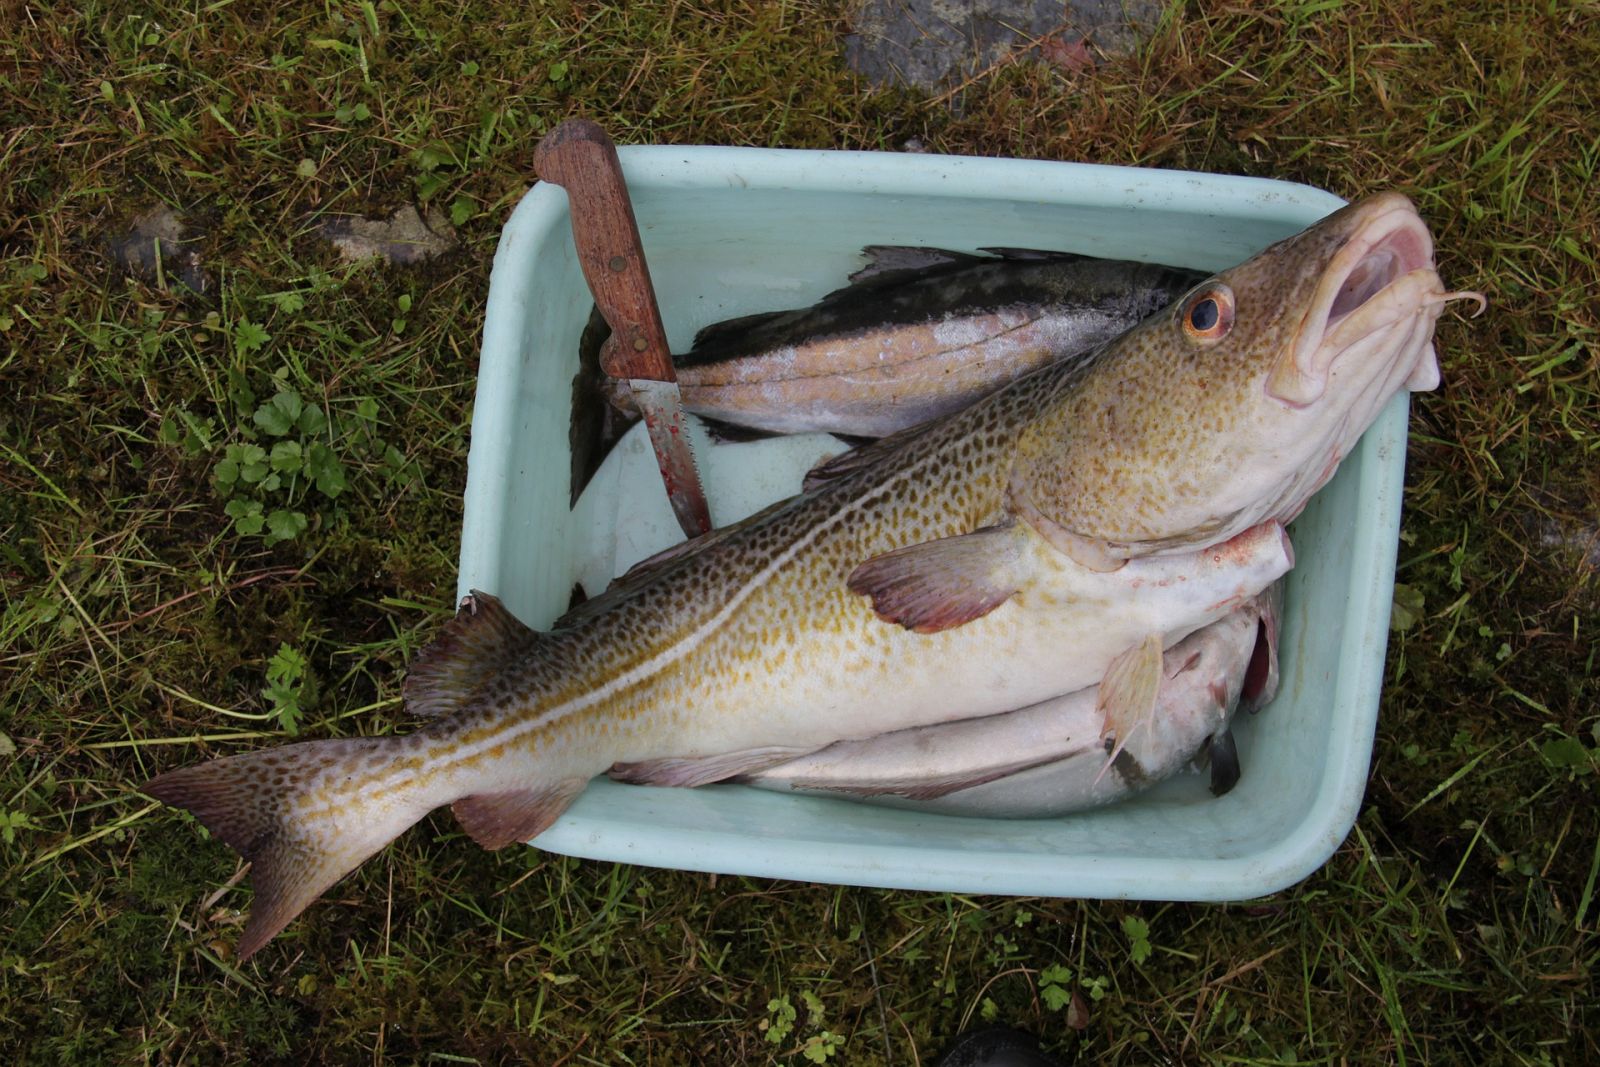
x=304 y=815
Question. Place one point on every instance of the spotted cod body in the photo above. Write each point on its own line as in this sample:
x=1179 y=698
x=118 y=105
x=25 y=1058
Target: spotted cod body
x=983 y=563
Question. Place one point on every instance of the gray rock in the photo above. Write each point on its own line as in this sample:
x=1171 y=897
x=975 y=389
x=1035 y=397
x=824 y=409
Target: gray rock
x=1574 y=543
x=404 y=237
x=159 y=247
x=934 y=44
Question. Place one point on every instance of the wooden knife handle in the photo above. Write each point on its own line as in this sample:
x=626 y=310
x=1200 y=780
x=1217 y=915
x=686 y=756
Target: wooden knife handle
x=578 y=156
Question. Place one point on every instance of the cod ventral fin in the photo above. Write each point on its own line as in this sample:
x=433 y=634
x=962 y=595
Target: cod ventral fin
x=939 y=585
x=690 y=771
x=1127 y=695
x=481 y=640
x=496 y=820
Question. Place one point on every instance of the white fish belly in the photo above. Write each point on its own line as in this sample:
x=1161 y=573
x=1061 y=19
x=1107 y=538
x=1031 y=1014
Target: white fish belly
x=813 y=687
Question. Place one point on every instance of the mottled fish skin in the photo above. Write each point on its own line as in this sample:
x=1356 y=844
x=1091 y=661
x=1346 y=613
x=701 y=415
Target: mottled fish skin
x=908 y=346
x=1326 y=327
x=910 y=586
x=1050 y=758
x=750 y=642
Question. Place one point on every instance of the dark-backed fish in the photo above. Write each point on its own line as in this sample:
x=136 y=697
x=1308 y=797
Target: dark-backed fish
x=919 y=333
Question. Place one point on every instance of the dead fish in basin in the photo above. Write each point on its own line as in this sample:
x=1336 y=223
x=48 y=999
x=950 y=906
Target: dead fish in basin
x=919 y=333
x=1050 y=759
x=927 y=577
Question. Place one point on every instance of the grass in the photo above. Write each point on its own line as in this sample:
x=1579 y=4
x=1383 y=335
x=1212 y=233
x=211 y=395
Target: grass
x=141 y=618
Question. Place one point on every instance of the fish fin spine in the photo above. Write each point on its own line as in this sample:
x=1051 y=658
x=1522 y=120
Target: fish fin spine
x=254 y=802
x=495 y=820
x=481 y=640
x=939 y=585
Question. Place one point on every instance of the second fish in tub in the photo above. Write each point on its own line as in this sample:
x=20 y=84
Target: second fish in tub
x=918 y=333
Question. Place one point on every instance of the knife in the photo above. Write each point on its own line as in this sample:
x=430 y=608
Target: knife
x=578 y=156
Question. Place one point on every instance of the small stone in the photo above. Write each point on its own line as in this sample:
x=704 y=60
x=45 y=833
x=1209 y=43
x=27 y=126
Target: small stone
x=403 y=238
x=159 y=248
x=935 y=44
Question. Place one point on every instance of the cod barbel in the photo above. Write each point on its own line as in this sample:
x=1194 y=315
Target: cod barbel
x=927 y=577
x=919 y=333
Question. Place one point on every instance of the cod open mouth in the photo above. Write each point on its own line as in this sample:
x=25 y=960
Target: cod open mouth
x=1382 y=276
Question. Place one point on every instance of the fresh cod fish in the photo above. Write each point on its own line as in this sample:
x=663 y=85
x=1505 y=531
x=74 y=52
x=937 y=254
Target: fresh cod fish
x=1050 y=758
x=919 y=333
x=918 y=580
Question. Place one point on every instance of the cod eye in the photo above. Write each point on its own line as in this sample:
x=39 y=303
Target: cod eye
x=1208 y=314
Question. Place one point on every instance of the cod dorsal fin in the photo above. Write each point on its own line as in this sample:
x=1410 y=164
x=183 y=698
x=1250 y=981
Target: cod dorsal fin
x=1038 y=255
x=862 y=455
x=893 y=264
x=648 y=569
x=481 y=640
x=724 y=334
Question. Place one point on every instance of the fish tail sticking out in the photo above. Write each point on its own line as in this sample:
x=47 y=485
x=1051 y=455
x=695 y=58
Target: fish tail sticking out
x=294 y=814
x=307 y=814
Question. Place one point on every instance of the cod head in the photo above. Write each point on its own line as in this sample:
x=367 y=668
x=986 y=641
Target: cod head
x=1234 y=405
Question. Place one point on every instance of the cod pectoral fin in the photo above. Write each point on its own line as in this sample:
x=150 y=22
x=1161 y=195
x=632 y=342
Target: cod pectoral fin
x=690 y=771
x=495 y=820
x=1128 y=691
x=481 y=640
x=939 y=585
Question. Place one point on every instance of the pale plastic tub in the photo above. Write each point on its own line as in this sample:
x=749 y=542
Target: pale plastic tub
x=729 y=231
